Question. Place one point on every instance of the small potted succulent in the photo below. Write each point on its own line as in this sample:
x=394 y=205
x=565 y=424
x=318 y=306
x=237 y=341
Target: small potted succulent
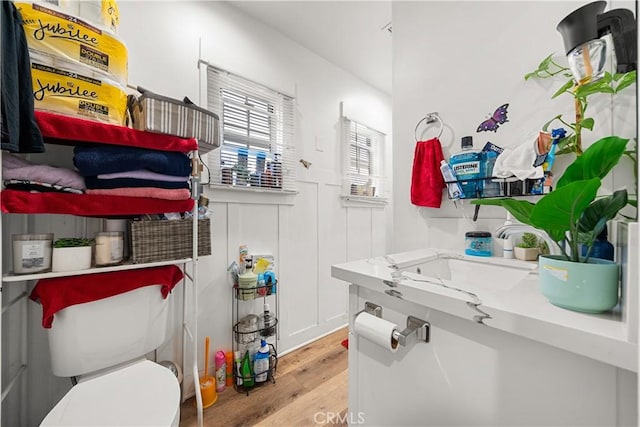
x=528 y=248
x=71 y=253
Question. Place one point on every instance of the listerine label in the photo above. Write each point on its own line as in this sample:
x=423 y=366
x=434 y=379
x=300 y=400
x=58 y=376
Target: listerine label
x=467 y=168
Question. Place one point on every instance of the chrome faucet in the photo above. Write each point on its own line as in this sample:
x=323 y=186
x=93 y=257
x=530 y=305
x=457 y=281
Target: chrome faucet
x=511 y=228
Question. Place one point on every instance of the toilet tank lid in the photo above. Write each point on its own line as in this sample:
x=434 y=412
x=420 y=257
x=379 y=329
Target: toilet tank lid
x=141 y=394
x=58 y=293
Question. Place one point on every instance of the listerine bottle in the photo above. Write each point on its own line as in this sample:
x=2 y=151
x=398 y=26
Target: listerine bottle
x=468 y=166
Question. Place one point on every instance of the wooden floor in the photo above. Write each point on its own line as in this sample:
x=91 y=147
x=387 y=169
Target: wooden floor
x=311 y=385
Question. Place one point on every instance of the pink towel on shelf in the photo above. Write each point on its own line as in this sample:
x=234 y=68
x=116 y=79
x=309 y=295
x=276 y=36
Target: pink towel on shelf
x=426 y=179
x=152 y=192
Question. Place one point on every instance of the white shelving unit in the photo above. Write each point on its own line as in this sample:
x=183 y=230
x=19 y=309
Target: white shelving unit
x=190 y=299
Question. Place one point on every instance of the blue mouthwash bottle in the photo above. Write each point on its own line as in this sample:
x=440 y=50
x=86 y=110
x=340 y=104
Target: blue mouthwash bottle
x=602 y=248
x=468 y=166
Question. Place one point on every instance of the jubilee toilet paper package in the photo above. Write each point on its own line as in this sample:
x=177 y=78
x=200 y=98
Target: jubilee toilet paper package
x=70 y=93
x=376 y=330
x=50 y=31
x=103 y=14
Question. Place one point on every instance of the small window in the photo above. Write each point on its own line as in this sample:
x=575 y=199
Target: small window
x=363 y=162
x=257 y=151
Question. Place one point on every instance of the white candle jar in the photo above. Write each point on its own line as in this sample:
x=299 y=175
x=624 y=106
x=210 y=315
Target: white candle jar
x=31 y=252
x=109 y=247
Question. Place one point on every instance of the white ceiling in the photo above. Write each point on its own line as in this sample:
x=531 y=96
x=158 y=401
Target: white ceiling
x=347 y=33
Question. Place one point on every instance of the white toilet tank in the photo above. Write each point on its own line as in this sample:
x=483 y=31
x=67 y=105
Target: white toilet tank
x=96 y=335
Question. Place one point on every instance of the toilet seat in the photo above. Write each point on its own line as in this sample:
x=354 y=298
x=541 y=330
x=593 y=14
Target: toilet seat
x=141 y=394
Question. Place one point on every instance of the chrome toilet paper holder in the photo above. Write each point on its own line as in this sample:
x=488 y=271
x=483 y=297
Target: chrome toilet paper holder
x=420 y=327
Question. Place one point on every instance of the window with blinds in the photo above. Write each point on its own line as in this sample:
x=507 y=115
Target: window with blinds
x=363 y=161
x=257 y=148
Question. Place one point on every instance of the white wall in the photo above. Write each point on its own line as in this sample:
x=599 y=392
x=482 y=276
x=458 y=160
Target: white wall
x=463 y=60
x=306 y=233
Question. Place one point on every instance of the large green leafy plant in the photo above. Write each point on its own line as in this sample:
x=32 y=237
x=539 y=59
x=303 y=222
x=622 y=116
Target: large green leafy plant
x=572 y=214
x=608 y=84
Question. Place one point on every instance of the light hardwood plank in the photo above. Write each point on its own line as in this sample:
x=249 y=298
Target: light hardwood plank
x=323 y=406
x=306 y=373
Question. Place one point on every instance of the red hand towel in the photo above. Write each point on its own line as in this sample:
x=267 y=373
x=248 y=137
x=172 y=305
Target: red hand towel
x=426 y=179
x=58 y=293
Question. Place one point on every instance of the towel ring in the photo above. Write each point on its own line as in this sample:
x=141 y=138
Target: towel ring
x=429 y=118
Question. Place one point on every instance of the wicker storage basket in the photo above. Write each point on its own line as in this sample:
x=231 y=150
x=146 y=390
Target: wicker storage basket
x=163 y=240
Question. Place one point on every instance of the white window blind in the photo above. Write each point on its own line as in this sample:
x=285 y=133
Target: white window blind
x=363 y=161
x=257 y=149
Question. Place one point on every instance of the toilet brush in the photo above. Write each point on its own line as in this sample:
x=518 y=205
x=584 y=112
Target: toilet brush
x=207 y=383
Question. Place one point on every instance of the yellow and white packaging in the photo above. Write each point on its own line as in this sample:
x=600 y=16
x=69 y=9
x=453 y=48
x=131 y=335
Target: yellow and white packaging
x=110 y=15
x=52 y=32
x=100 y=13
x=69 y=93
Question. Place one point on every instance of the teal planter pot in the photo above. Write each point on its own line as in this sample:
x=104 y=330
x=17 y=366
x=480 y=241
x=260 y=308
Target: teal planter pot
x=590 y=287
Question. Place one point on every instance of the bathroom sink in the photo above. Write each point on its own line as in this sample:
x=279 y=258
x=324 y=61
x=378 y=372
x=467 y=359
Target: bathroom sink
x=466 y=272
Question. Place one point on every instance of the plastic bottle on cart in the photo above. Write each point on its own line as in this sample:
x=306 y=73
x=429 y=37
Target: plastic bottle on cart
x=238 y=365
x=221 y=371
x=468 y=167
x=246 y=370
x=262 y=286
x=267 y=322
x=261 y=363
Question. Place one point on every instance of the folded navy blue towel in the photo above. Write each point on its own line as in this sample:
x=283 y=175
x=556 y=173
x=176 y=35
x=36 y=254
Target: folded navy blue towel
x=92 y=160
x=95 y=183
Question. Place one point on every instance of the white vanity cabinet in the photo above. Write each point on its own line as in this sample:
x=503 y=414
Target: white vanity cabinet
x=471 y=374
x=522 y=362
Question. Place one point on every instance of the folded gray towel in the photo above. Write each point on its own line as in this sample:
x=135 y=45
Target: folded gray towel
x=15 y=167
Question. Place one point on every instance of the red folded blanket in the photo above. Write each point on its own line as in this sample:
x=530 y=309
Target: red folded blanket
x=16 y=201
x=63 y=129
x=58 y=293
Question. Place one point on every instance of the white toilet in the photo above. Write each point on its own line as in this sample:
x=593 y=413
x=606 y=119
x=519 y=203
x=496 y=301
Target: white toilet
x=104 y=342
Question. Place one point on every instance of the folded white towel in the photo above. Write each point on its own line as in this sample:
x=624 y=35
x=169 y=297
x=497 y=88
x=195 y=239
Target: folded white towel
x=518 y=161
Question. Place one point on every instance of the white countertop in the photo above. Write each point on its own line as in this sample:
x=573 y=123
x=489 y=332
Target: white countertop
x=518 y=309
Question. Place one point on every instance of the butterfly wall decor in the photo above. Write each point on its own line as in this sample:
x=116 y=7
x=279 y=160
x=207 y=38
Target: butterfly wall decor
x=497 y=118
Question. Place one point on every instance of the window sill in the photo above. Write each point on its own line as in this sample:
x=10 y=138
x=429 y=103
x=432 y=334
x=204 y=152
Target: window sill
x=230 y=194
x=362 y=201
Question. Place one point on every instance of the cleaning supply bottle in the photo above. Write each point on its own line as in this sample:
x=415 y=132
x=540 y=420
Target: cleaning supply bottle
x=602 y=248
x=221 y=371
x=246 y=371
x=261 y=362
x=468 y=167
x=262 y=286
x=267 y=322
x=556 y=136
x=228 y=356
x=238 y=367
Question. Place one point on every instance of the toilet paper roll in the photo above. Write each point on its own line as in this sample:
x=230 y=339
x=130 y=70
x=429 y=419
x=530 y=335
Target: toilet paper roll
x=376 y=330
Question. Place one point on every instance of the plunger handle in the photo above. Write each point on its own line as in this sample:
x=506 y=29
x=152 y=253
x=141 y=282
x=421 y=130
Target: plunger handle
x=206 y=357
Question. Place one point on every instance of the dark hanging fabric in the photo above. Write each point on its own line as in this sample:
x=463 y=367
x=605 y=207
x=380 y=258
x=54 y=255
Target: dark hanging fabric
x=20 y=132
